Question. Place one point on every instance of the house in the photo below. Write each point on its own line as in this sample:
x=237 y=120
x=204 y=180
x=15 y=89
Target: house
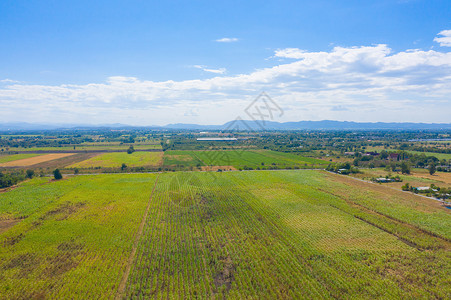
x=424 y=188
x=349 y=153
x=383 y=180
x=371 y=153
x=393 y=156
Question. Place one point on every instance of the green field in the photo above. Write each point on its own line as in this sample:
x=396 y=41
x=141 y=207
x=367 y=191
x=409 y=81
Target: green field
x=238 y=235
x=13 y=157
x=438 y=155
x=74 y=238
x=239 y=159
x=116 y=159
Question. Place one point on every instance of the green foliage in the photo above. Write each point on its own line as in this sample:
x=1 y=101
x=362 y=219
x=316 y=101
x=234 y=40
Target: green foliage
x=10 y=179
x=57 y=174
x=405 y=168
x=432 y=169
x=30 y=173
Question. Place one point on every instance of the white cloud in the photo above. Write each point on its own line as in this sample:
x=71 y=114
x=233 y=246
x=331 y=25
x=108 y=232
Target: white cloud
x=445 y=39
x=7 y=80
x=215 y=71
x=227 y=40
x=367 y=83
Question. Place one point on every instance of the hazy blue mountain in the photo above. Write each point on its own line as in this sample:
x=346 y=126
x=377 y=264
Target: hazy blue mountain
x=241 y=125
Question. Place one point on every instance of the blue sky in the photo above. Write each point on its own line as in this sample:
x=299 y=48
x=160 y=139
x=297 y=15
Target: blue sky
x=149 y=62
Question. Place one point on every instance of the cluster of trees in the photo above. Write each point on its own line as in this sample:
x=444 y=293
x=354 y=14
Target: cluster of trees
x=342 y=168
x=10 y=179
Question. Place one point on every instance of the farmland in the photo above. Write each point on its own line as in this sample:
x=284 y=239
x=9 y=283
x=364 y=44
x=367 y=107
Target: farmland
x=83 y=147
x=240 y=159
x=261 y=234
x=34 y=159
x=13 y=157
x=116 y=159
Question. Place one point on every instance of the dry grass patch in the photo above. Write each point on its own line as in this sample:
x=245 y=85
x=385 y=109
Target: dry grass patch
x=35 y=160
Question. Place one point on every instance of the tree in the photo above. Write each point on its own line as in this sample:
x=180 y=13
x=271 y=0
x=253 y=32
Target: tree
x=405 y=168
x=406 y=187
x=393 y=167
x=30 y=173
x=123 y=167
x=431 y=169
x=130 y=150
x=76 y=171
x=57 y=174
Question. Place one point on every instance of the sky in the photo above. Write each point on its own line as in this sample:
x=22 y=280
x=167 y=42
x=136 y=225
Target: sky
x=143 y=62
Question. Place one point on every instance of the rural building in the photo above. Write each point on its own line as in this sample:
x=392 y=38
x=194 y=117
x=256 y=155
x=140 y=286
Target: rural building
x=394 y=156
x=371 y=154
x=383 y=180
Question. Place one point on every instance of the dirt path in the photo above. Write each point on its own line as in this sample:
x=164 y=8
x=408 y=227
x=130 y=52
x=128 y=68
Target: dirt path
x=131 y=258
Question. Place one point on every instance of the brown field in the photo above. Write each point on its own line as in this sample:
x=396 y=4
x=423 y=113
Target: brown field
x=26 y=162
x=216 y=168
x=68 y=160
x=439 y=176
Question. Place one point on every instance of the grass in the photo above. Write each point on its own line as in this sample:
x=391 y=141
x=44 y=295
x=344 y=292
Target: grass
x=240 y=159
x=300 y=234
x=74 y=236
x=438 y=155
x=13 y=157
x=116 y=159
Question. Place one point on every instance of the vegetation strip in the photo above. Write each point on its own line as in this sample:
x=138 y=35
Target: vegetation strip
x=131 y=258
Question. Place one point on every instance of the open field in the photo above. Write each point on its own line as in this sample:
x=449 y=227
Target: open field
x=13 y=157
x=186 y=235
x=34 y=160
x=72 y=237
x=116 y=159
x=239 y=159
x=87 y=148
x=438 y=155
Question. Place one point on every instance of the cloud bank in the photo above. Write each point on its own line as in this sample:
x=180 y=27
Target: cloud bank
x=364 y=83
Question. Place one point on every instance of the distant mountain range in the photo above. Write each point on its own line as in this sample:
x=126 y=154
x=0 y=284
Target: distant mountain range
x=242 y=125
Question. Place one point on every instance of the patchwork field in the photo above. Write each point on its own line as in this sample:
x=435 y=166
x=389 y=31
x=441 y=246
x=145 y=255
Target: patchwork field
x=34 y=160
x=116 y=159
x=239 y=159
x=88 y=148
x=253 y=235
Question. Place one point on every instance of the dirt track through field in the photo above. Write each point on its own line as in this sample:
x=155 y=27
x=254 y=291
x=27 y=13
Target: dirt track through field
x=35 y=160
x=131 y=258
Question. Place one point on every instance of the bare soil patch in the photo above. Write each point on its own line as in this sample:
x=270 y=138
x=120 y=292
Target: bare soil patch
x=26 y=162
x=7 y=224
x=225 y=276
